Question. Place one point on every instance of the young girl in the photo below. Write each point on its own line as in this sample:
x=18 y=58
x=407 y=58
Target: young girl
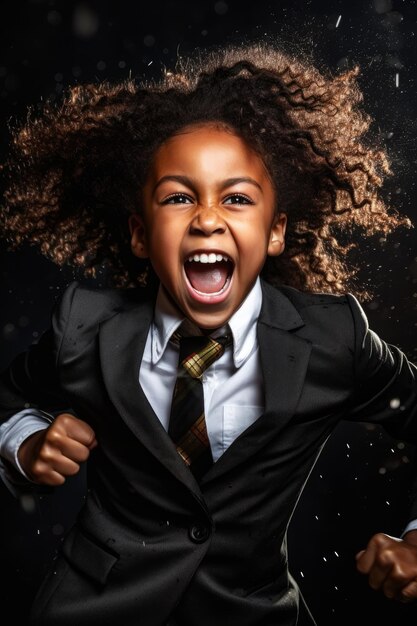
x=222 y=200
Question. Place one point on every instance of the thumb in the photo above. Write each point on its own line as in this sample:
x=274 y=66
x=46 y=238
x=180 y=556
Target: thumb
x=93 y=444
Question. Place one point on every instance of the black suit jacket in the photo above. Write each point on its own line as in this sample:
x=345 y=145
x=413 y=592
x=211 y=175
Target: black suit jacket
x=151 y=544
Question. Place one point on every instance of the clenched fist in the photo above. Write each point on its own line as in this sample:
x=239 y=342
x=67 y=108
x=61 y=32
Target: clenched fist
x=391 y=565
x=49 y=456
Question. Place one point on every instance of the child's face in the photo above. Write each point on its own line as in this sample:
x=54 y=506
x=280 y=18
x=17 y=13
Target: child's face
x=208 y=222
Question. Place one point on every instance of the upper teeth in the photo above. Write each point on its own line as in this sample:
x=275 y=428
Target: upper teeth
x=208 y=258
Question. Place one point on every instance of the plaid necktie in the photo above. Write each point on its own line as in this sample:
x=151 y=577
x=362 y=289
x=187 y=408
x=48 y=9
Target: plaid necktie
x=187 y=424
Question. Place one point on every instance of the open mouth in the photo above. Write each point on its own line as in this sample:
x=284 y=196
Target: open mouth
x=209 y=273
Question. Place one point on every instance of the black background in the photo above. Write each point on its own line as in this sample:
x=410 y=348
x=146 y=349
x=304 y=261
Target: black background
x=360 y=484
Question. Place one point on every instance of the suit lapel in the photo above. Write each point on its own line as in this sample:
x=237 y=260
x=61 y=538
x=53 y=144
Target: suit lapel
x=284 y=360
x=122 y=341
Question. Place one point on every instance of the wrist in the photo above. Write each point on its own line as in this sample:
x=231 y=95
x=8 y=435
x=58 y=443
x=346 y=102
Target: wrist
x=411 y=537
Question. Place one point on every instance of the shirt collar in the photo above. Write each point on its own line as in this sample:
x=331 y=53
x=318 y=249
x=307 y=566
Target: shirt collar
x=242 y=324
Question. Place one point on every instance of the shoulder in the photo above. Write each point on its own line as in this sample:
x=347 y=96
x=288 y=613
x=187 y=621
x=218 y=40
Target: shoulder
x=306 y=302
x=95 y=305
x=323 y=315
x=306 y=299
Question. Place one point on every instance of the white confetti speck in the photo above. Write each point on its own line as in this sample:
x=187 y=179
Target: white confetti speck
x=395 y=403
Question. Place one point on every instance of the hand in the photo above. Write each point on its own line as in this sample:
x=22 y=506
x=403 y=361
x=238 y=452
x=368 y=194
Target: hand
x=49 y=456
x=391 y=565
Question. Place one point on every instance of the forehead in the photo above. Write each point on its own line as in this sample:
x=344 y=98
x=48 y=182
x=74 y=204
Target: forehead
x=210 y=149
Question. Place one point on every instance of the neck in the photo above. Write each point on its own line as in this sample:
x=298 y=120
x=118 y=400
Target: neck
x=208 y=331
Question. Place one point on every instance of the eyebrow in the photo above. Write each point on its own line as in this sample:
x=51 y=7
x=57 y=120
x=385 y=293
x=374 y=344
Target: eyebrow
x=188 y=182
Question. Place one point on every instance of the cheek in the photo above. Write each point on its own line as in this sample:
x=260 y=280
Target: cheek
x=164 y=247
x=253 y=236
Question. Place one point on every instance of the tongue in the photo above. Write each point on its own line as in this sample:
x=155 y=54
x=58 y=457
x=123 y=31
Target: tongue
x=207 y=277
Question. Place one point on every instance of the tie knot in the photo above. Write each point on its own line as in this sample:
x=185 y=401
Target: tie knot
x=198 y=352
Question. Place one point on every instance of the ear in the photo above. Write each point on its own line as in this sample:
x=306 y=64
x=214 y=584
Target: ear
x=138 y=236
x=276 y=244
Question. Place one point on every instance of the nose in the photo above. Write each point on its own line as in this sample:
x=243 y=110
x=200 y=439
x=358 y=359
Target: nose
x=208 y=221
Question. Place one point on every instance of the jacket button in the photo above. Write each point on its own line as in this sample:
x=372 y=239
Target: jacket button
x=198 y=533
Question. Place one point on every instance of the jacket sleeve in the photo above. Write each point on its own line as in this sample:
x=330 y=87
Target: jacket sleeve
x=31 y=380
x=386 y=389
x=385 y=381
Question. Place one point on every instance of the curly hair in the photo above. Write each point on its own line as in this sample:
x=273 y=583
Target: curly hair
x=76 y=169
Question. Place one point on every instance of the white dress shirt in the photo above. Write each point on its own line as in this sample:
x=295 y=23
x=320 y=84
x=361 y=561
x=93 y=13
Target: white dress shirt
x=232 y=385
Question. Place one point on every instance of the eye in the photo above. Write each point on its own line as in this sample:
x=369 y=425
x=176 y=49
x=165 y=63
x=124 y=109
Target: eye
x=177 y=198
x=238 y=198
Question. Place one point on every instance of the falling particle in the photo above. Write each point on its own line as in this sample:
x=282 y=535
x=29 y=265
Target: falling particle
x=336 y=553
x=338 y=21
x=348 y=446
x=8 y=329
x=336 y=588
x=27 y=502
x=392 y=450
x=386 y=502
x=54 y=18
x=143 y=543
x=85 y=22
x=150 y=63
x=397 y=79
x=38 y=531
x=395 y=403
x=221 y=8
x=382 y=6
x=149 y=41
x=301 y=574
x=324 y=559
x=316 y=516
x=58 y=529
